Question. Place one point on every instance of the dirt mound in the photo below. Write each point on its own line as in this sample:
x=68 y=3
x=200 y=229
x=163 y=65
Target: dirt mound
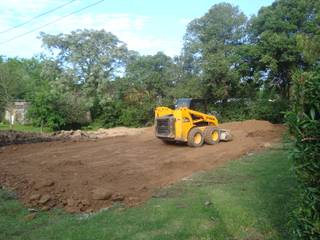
x=90 y=175
x=16 y=137
x=100 y=133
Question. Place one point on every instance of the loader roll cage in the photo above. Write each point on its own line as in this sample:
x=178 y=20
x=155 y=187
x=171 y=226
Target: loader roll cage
x=199 y=105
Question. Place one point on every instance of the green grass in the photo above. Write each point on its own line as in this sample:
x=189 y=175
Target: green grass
x=22 y=128
x=251 y=199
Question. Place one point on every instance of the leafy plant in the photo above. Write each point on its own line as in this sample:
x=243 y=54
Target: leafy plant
x=58 y=110
x=304 y=124
x=269 y=107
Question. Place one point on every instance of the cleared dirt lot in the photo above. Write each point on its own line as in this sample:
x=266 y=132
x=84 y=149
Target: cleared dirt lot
x=89 y=175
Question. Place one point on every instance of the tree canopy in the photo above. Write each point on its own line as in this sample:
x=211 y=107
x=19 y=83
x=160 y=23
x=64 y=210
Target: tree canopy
x=275 y=33
x=211 y=45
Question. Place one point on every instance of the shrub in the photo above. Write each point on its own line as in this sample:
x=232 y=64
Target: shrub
x=233 y=110
x=43 y=110
x=110 y=114
x=270 y=108
x=265 y=106
x=57 y=111
x=304 y=124
x=133 y=116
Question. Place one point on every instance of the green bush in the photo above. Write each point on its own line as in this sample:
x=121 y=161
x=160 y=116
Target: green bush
x=44 y=112
x=269 y=109
x=304 y=124
x=265 y=106
x=133 y=116
x=58 y=110
x=234 y=110
x=127 y=112
x=110 y=114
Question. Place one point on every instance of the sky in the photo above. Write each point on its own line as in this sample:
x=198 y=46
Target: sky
x=146 y=26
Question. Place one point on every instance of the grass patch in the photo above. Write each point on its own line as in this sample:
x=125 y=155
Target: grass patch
x=23 y=128
x=250 y=198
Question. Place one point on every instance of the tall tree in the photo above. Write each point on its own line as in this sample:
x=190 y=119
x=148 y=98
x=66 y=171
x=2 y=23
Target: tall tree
x=153 y=74
x=146 y=82
x=210 y=49
x=89 y=59
x=14 y=79
x=275 y=31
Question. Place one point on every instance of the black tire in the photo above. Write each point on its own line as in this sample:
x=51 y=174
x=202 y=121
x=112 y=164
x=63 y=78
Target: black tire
x=212 y=135
x=168 y=142
x=195 y=137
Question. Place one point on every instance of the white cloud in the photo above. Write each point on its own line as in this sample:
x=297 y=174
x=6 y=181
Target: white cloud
x=129 y=28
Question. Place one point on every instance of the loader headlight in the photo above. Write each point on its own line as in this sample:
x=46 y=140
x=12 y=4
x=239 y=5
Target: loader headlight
x=186 y=120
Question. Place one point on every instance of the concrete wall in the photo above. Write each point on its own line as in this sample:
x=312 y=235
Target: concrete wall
x=16 y=112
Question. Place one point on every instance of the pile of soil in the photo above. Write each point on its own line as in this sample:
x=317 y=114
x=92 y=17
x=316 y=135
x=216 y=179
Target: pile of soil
x=16 y=137
x=99 y=134
x=90 y=175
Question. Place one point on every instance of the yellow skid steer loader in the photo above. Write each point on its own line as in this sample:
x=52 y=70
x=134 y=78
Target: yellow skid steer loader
x=188 y=123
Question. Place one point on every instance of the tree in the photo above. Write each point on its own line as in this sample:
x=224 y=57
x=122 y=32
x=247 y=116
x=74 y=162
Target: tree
x=147 y=81
x=87 y=60
x=274 y=34
x=304 y=124
x=152 y=74
x=57 y=110
x=210 y=50
x=15 y=79
x=44 y=109
x=11 y=85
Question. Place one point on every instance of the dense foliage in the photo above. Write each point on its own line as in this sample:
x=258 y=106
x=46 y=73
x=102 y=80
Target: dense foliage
x=275 y=32
x=17 y=79
x=304 y=122
x=211 y=49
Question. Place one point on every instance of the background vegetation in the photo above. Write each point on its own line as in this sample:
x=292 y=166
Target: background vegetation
x=242 y=66
x=304 y=122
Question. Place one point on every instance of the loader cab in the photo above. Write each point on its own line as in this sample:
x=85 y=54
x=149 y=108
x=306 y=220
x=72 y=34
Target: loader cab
x=199 y=105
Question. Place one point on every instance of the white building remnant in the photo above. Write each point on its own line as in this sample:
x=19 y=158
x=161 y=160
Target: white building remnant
x=16 y=112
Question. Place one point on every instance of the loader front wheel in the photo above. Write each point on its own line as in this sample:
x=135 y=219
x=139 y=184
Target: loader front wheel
x=212 y=135
x=195 y=137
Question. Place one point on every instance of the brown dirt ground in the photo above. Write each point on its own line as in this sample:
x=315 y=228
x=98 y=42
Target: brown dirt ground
x=90 y=175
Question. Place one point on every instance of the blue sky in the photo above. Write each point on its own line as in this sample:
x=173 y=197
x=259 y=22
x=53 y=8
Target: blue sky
x=146 y=26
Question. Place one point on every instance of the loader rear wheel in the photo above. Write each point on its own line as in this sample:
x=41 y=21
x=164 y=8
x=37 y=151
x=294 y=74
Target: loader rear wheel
x=212 y=135
x=195 y=137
